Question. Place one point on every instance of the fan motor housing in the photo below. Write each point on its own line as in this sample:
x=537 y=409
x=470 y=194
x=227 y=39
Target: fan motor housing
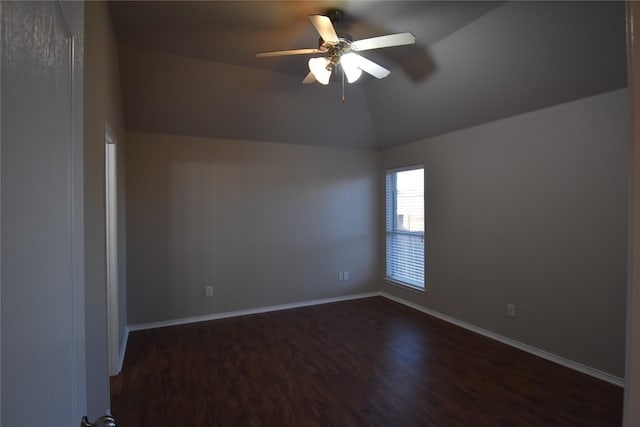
x=344 y=38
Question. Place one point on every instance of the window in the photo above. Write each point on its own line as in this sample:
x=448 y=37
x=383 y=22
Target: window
x=405 y=226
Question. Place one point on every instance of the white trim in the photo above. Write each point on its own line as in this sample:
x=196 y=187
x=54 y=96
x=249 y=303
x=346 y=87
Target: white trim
x=123 y=350
x=405 y=168
x=215 y=316
x=111 y=246
x=1 y=43
x=404 y=285
x=108 y=134
x=80 y=392
x=612 y=379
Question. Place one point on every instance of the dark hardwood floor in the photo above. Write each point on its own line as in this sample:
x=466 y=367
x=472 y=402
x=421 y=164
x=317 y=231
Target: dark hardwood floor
x=368 y=362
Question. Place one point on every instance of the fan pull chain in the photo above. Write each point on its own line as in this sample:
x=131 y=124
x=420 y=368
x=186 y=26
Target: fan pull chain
x=343 y=98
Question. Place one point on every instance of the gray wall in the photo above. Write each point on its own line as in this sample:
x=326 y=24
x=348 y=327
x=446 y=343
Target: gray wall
x=102 y=103
x=263 y=223
x=531 y=210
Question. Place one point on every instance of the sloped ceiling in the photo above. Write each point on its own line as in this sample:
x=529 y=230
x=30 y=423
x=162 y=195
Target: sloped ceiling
x=189 y=68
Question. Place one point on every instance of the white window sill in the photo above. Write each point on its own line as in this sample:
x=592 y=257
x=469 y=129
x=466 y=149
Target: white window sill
x=403 y=285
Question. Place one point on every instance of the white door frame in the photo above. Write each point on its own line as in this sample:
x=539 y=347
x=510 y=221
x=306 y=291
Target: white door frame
x=111 y=239
x=74 y=15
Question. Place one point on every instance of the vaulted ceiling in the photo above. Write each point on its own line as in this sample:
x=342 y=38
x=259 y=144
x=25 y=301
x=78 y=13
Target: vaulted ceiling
x=189 y=68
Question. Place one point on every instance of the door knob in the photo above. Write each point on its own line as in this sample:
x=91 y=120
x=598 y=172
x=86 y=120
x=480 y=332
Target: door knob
x=105 y=421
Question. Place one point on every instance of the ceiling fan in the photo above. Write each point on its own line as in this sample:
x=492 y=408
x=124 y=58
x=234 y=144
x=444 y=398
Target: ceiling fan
x=338 y=49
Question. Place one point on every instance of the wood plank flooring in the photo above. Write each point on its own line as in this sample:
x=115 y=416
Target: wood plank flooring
x=368 y=362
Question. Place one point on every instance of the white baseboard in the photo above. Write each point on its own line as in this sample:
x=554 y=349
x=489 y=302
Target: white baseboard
x=123 y=348
x=612 y=379
x=215 y=316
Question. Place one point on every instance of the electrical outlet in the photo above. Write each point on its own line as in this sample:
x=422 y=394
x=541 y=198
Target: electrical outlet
x=346 y=275
x=208 y=291
x=511 y=310
x=341 y=276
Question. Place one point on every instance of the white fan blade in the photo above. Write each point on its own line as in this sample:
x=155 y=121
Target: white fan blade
x=288 y=52
x=325 y=28
x=371 y=67
x=398 y=39
x=309 y=79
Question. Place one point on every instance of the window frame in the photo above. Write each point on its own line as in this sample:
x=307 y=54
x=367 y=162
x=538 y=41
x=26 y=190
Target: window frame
x=387 y=278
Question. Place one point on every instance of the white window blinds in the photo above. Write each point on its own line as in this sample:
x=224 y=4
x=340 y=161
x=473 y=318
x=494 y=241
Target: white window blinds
x=405 y=226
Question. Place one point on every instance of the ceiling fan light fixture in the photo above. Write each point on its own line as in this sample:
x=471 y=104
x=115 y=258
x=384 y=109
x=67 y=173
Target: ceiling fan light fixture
x=321 y=69
x=340 y=50
x=348 y=61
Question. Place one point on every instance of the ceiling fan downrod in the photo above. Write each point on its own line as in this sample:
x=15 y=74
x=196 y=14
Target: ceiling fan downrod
x=343 y=98
x=335 y=15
